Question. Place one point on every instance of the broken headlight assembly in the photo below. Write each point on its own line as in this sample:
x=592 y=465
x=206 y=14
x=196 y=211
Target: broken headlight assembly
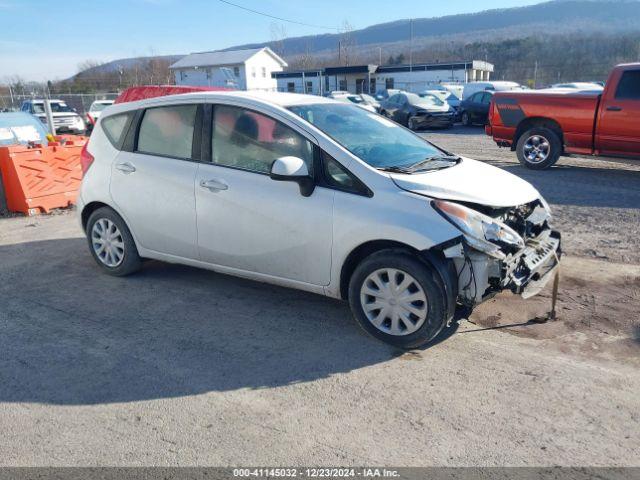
x=480 y=231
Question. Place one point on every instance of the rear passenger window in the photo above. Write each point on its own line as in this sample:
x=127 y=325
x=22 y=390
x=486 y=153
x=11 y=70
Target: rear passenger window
x=115 y=127
x=629 y=86
x=168 y=131
x=251 y=141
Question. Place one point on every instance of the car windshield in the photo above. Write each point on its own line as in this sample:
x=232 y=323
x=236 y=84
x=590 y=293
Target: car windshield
x=56 y=107
x=376 y=140
x=98 y=107
x=428 y=100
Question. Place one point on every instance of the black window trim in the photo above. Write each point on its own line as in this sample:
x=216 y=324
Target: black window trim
x=131 y=142
x=321 y=180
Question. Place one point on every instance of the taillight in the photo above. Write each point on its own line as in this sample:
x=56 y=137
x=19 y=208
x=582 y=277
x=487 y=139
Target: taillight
x=86 y=159
x=90 y=119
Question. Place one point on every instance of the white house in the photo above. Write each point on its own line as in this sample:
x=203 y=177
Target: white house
x=243 y=69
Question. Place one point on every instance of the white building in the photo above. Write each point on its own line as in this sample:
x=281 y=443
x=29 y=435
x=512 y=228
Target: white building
x=243 y=69
x=371 y=78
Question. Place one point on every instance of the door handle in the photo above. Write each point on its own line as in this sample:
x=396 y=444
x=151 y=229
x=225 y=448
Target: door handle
x=614 y=109
x=214 y=185
x=126 y=167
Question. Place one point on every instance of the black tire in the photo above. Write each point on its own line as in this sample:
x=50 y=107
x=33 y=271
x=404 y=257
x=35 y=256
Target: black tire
x=131 y=261
x=411 y=126
x=429 y=281
x=466 y=119
x=546 y=134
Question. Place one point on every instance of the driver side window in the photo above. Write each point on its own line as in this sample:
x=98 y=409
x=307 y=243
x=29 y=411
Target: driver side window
x=251 y=141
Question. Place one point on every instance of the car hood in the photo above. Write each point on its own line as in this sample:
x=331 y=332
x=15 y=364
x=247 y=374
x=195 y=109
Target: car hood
x=470 y=181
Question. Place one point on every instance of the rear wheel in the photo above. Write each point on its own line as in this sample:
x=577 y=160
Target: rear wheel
x=111 y=243
x=539 y=148
x=397 y=299
x=466 y=119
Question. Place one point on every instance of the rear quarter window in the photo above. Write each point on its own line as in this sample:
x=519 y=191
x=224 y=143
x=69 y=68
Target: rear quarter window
x=629 y=86
x=115 y=127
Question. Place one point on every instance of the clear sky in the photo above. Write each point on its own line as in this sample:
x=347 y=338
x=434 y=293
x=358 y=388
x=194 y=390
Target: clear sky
x=43 y=39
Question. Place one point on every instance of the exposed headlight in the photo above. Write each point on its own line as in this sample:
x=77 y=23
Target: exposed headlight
x=481 y=232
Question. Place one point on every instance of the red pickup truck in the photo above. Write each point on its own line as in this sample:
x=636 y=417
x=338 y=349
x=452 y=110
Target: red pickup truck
x=541 y=125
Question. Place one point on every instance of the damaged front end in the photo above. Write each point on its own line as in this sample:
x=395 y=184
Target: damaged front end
x=501 y=249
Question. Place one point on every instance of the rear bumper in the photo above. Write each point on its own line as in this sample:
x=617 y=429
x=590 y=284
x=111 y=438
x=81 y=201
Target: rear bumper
x=434 y=120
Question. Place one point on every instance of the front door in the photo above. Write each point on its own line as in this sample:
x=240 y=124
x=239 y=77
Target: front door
x=618 y=130
x=249 y=222
x=152 y=186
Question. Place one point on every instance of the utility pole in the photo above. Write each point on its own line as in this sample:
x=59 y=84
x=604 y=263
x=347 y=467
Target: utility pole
x=411 y=44
x=379 y=55
x=535 y=75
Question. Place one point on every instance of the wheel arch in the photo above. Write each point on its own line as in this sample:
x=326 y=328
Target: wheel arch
x=532 y=122
x=433 y=257
x=88 y=209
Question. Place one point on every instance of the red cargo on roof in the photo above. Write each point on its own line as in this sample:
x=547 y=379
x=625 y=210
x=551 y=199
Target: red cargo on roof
x=133 y=94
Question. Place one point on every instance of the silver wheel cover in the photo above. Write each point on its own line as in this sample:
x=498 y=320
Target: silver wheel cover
x=107 y=242
x=394 y=302
x=536 y=149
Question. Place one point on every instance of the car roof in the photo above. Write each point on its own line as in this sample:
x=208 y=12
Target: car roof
x=278 y=99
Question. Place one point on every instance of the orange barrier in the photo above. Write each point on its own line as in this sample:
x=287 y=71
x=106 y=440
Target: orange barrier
x=43 y=177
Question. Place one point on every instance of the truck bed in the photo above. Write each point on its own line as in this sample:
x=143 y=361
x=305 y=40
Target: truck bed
x=575 y=112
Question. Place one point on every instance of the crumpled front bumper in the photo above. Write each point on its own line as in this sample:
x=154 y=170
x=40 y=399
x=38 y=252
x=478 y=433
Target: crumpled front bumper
x=531 y=269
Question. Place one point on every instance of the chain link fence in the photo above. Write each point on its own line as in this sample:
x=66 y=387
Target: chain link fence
x=79 y=102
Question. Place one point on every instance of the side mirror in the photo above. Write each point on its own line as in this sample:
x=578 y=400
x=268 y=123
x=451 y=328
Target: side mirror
x=293 y=169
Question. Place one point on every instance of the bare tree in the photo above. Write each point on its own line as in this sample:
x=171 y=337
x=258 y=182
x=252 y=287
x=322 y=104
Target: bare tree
x=347 y=44
x=278 y=36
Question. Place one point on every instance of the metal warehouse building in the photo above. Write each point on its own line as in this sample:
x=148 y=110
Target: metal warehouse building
x=371 y=78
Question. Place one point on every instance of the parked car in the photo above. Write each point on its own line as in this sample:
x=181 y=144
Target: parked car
x=95 y=110
x=21 y=128
x=65 y=119
x=313 y=194
x=369 y=99
x=446 y=96
x=416 y=112
x=579 y=86
x=382 y=95
x=353 y=99
x=497 y=86
x=475 y=109
x=543 y=125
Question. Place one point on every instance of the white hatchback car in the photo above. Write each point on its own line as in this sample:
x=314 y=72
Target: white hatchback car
x=313 y=194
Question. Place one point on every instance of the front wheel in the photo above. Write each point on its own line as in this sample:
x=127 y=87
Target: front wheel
x=396 y=298
x=539 y=148
x=412 y=124
x=466 y=119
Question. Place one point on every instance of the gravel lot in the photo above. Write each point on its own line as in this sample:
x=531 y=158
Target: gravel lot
x=178 y=366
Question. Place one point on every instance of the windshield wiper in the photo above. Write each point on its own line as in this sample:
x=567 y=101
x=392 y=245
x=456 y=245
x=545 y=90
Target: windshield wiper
x=435 y=162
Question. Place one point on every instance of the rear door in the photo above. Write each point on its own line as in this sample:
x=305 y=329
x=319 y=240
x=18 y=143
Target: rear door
x=618 y=131
x=482 y=113
x=152 y=180
x=246 y=220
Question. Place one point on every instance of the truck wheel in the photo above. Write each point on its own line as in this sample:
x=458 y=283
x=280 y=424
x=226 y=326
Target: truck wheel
x=539 y=148
x=396 y=298
x=466 y=119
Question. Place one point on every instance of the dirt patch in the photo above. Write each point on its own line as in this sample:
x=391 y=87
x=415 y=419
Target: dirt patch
x=597 y=311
